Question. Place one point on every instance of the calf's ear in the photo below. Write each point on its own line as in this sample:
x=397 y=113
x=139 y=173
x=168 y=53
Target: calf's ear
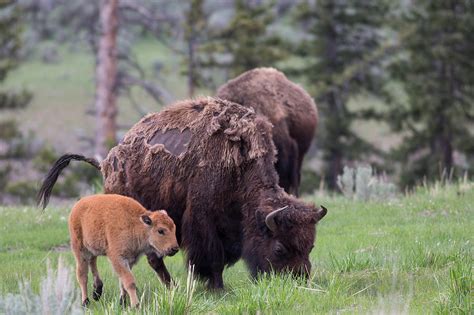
x=146 y=220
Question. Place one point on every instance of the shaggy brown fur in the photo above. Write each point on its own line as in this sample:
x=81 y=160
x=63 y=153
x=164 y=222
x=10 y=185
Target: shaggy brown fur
x=210 y=162
x=121 y=229
x=289 y=108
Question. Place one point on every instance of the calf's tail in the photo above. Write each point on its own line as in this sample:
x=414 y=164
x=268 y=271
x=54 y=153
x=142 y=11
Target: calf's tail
x=52 y=176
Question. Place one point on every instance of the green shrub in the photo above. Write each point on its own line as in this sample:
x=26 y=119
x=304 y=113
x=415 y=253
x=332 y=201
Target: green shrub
x=67 y=188
x=4 y=173
x=9 y=130
x=45 y=158
x=24 y=190
x=310 y=181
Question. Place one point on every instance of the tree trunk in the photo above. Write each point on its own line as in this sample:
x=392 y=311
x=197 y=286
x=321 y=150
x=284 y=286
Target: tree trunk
x=106 y=74
x=191 y=65
x=335 y=169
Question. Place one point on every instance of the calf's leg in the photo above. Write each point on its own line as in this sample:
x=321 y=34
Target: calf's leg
x=98 y=284
x=82 y=267
x=123 y=294
x=126 y=278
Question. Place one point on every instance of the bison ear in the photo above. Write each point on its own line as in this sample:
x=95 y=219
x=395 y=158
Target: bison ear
x=319 y=214
x=146 y=219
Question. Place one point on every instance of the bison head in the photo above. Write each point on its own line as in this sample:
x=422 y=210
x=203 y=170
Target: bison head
x=286 y=238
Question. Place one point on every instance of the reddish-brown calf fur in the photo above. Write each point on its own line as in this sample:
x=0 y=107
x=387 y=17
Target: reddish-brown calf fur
x=121 y=229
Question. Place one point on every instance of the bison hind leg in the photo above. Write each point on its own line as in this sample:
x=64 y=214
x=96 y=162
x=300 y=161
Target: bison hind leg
x=98 y=284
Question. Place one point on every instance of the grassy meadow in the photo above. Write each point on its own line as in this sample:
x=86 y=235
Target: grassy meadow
x=412 y=254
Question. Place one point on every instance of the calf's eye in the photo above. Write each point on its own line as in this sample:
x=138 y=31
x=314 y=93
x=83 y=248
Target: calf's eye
x=161 y=231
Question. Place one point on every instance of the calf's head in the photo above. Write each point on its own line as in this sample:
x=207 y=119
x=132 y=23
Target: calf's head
x=161 y=233
x=287 y=237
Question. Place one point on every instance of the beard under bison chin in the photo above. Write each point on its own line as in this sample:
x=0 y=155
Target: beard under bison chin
x=257 y=268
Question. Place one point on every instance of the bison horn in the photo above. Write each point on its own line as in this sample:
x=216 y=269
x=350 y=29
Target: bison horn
x=321 y=212
x=270 y=218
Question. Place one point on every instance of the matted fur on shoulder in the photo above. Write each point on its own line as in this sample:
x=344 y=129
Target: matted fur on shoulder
x=205 y=117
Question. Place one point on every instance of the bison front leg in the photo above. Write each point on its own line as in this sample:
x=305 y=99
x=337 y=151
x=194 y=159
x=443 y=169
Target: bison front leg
x=203 y=247
x=159 y=266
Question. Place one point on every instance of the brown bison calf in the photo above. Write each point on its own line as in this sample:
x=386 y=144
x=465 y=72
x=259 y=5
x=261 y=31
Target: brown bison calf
x=121 y=229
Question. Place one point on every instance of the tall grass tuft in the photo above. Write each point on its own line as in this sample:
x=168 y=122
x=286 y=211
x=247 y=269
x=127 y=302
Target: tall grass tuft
x=57 y=295
x=177 y=299
x=269 y=294
x=457 y=297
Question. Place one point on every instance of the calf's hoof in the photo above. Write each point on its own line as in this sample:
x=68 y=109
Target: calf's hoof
x=85 y=303
x=97 y=292
x=123 y=300
x=136 y=305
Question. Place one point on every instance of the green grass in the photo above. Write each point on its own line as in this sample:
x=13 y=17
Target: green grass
x=413 y=254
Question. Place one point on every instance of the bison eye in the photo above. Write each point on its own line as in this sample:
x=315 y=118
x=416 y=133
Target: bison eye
x=279 y=250
x=161 y=231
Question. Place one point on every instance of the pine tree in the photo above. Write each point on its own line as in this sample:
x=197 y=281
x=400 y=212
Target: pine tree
x=341 y=60
x=438 y=76
x=245 y=43
x=10 y=44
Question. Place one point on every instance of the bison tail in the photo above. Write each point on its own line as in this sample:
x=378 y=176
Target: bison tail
x=52 y=176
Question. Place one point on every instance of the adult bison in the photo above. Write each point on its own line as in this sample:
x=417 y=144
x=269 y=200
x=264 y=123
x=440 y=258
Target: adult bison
x=209 y=163
x=289 y=108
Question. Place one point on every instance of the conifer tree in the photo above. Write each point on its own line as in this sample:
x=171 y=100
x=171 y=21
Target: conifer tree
x=10 y=43
x=438 y=76
x=341 y=60
x=245 y=43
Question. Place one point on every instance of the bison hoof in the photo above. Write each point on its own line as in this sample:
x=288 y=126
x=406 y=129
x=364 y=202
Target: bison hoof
x=215 y=287
x=97 y=292
x=86 y=302
x=123 y=300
